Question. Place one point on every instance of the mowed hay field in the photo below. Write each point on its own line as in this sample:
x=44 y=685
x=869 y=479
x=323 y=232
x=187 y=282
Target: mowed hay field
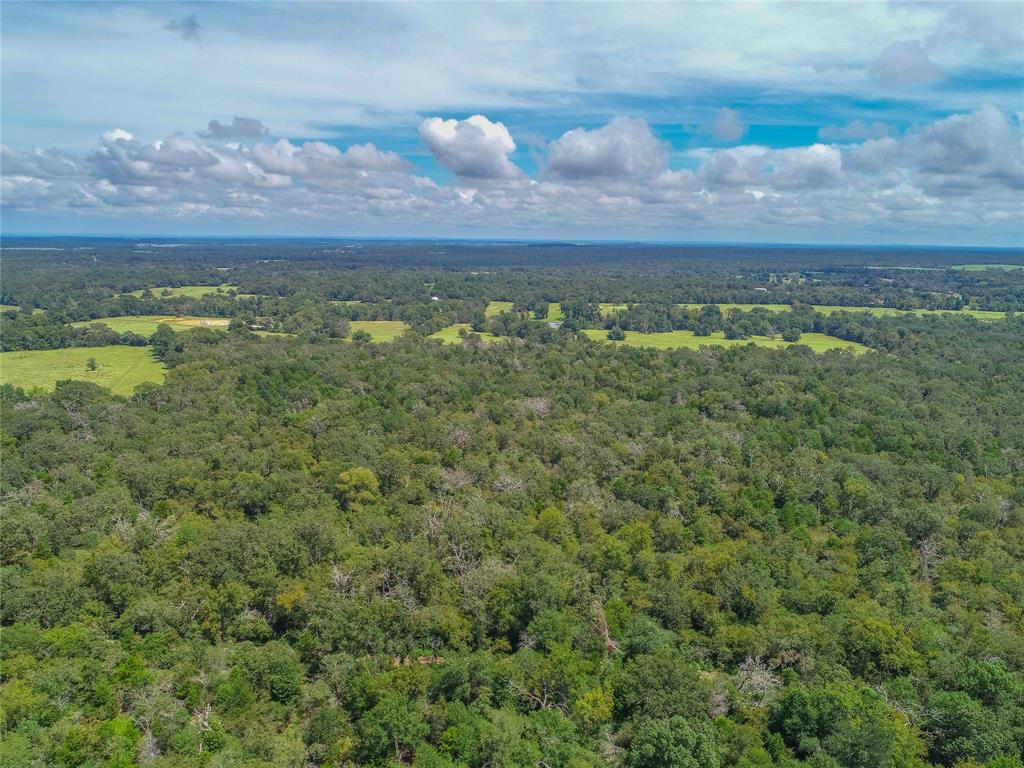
x=120 y=368
x=145 y=325
x=379 y=330
x=819 y=342
x=983 y=267
x=192 y=291
x=828 y=309
x=495 y=308
x=450 y=335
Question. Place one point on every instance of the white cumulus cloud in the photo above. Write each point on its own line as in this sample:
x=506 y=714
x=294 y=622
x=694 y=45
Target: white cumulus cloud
x=624 y=148
x=474 y=148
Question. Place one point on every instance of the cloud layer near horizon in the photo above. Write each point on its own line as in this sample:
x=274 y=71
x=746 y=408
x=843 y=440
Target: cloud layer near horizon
x=962 y=171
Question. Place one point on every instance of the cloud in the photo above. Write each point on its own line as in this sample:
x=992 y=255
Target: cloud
x=858 y=130
x=814 y=167
x=959 y=177
x=315 y=160
x=726 y=125
x=962 y=151
x=239 y=128
x=904 y=63
x=475 y=148
x=189 y=27
x=624 y=148
x=735 y=167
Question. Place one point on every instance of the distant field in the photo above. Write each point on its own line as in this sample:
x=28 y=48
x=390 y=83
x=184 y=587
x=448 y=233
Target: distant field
x=828 y=309
x=555 y=313
x=9 y=307
x=983 y=267
x=450 y=335
x=819 y=342
x=495 y=308
x=380 y=330
x=120 y=369
x=192 y=291
x=144 y=325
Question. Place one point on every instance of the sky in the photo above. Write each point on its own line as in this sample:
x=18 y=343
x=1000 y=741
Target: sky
x=826 y=122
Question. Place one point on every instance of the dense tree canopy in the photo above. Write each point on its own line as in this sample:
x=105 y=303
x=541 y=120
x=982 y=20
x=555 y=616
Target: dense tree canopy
x=544 y=551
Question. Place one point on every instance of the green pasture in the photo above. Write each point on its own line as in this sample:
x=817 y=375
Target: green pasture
x=828 y=309
x=495 y=308
x=119 y=368
x=379 y=330
x=983 y=267
x=819 y=342
x=145 y=325
x=191 y=291
x=450 y=335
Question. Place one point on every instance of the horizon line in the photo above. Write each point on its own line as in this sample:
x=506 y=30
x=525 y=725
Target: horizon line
x=516 y=240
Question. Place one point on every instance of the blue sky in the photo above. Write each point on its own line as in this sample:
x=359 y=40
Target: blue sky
x=812 y=122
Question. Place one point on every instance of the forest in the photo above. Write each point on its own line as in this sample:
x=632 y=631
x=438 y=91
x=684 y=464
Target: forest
x=546 y=551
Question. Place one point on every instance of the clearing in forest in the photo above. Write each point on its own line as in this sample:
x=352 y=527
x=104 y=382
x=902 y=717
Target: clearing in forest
x=379 y=330
x=819 y=342
x=828 y=309
x=983 y=267
x=450 y=335
x=119 y=368
x=495 y=308
x=145 y=325
x=191 y=291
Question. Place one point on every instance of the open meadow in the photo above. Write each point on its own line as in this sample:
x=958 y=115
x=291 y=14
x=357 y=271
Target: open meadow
x=119 y=368
x=379 y=330
x=819 y=342
x=828 y=309
x=191 y=291
x=495 y=308
x=450 y=335
x=145 y=325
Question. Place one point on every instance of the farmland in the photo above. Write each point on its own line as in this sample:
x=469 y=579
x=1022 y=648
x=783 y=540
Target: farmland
x=495 y=308
x=819 y=342
x=190 y=291
x=828 y=309
x=985 y=267
x=118 y=368
x=144 y=325
x=379 y=330
x=451 y=334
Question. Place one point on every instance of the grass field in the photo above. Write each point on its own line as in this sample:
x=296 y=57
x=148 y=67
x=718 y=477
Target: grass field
x=192 y=291
x=9 y=307
x=120 y=369
x=819 y=342
x=555 y=313
x=450 y=335
x=828 y=309
x=495 y=308
x=144 y=325
x=380 y=330
x=983 y=267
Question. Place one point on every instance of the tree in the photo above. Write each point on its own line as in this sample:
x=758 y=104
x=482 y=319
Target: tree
x=91 y=364
x=357 y=488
